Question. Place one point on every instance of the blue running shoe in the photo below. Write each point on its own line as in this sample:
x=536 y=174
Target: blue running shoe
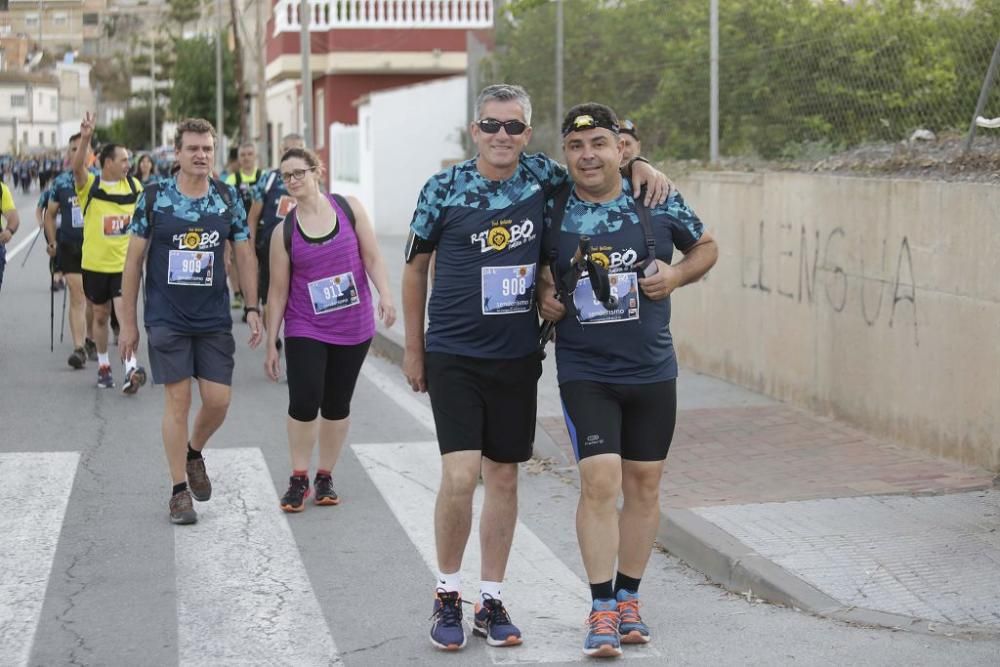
x=104 y=379
x=602 y=638
x=631 y=628
x=447 y=632
x=493 y=623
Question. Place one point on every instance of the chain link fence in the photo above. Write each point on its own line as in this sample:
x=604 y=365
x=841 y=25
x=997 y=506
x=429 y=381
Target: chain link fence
x=798 y=79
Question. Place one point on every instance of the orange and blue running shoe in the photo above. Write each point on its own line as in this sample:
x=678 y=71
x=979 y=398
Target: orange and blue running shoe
x=630 y=627
x=447 y=632
x=493 y=623
x=602 y=637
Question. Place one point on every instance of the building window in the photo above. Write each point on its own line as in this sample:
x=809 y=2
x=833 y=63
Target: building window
x=41 y=138
x=53 y=105
x=53 y=137
x=319 y=117
x=18 y=101
x=31 y=20
x=60 y=18
x=91 y=19
x=90 y=46
x=24 y=139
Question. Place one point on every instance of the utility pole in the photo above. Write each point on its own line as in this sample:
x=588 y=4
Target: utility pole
x=220 y=158
x=713 y=110
x=262 y=134
x=238 y=71
x=559 y=70
x=307 y=81
x=152 y=92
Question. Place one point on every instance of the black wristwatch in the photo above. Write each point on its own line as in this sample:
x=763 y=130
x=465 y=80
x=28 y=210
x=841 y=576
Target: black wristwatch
x=251 y=309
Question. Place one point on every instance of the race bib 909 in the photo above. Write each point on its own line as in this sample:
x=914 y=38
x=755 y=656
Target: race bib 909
x=191 y=267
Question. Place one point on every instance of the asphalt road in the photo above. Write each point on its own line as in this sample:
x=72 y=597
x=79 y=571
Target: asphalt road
x=92 y=573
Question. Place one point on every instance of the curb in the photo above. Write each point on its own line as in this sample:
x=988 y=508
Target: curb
x=733 y=565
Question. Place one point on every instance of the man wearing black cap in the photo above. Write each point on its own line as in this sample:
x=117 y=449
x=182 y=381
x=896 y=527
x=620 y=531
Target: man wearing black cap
x=617 y=380
x=629 y=134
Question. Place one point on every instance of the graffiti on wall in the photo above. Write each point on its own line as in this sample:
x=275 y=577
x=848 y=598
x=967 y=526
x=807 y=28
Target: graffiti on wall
x=814 y=267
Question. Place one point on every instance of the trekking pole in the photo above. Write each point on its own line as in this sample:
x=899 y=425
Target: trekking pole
x=30 y=247
x=62 y=327
x=52 y=316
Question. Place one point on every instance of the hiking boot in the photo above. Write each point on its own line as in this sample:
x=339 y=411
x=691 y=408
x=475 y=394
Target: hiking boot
x=91 y=348
x=294 y=499
x=104 y=379
x=493 y=623
x=198 y=481
x=447 y=632
x=602 y=639
x=631 y=629
x=78 y=359
x=134 y=379
x=182 y=509
x=325 y=495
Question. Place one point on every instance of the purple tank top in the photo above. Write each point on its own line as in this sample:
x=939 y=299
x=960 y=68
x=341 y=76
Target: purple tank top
x=328 y=295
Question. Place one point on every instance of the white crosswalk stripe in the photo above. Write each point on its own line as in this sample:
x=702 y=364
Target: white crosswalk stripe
x=34 y=492
x=243 y=595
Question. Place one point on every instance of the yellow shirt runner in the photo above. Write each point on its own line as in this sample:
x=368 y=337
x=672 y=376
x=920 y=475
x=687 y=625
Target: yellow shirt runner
x=105 y=226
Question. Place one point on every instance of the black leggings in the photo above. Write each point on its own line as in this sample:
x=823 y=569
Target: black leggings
x=321 y=377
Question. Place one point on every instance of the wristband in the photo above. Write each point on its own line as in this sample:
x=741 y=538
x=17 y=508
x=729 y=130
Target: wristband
x=637 y=158
x=251 y=309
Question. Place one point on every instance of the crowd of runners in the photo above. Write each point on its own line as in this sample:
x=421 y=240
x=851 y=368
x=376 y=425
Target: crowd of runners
x=522 y=250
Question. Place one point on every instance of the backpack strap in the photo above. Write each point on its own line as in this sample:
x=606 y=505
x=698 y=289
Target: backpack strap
x=286 y=232
x=271 y=178
x=123 y=200
x=287 y=224
x=345 y=207
x=223 y=191
x=550 y=240
x=645 y=220
x=150 y=195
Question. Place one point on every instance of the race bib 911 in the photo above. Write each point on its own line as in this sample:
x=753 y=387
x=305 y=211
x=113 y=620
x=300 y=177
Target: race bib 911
x=508 y=289
x=334 y=293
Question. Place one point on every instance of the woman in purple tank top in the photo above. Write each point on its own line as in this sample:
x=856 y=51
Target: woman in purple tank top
x=319 y=287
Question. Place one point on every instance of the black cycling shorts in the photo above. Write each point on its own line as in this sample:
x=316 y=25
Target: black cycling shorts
x=69 y=255
x=101 y=287
x=322 y=377
x=635 y=421
x=484 y=404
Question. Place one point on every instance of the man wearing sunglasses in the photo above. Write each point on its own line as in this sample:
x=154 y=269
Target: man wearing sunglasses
x=630 y=136
x=616 y=365
x=479 y=359
x=179 y=231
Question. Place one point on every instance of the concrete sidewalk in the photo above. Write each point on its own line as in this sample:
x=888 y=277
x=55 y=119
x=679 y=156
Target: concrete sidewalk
x=775 y=502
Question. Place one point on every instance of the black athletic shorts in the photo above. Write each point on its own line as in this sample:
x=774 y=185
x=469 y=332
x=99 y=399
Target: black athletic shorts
x=101 y=287
x=635 y=421
x=69 y=255
x=484 y=404
x=176 y=356
x=263 y=274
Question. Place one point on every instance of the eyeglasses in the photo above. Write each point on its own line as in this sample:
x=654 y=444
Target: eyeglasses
x=295 y=175
x=492 y=126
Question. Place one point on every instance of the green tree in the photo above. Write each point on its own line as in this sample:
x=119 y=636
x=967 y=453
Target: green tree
x=193 y=93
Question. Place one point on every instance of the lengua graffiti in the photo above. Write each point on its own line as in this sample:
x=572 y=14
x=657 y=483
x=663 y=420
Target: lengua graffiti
x=813 y=267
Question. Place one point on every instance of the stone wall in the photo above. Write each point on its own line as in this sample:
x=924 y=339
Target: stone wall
x=872 y=300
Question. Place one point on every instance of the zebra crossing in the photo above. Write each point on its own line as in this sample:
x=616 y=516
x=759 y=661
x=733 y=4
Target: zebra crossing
x=249 y=585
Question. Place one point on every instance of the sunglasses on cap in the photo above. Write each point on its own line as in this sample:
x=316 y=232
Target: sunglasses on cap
x=492 y=126
x=628 y=127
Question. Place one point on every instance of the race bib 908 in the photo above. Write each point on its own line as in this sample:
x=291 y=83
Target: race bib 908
x=508 y=289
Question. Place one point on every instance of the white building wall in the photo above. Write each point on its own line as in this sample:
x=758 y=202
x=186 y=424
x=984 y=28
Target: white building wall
x=405 y=136
x=283 y=113
x=38 y=117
